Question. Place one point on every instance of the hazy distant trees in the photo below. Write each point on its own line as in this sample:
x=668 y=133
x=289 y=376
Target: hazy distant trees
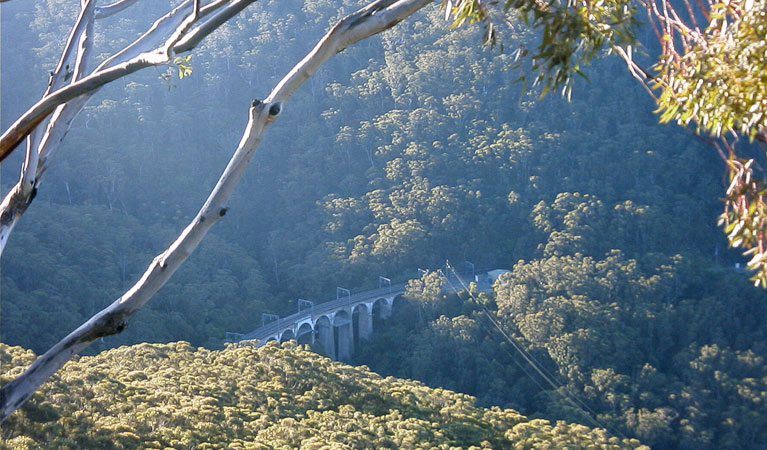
x=70 y=86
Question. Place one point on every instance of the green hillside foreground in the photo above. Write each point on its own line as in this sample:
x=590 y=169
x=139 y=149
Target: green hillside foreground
x=173 y=396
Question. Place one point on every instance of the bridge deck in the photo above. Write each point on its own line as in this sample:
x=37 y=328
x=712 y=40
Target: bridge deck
x=284 y=323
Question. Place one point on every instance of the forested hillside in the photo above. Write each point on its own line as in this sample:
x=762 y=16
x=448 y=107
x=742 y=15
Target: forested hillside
x=409 y=149
x=173 y=396
x=406 y=150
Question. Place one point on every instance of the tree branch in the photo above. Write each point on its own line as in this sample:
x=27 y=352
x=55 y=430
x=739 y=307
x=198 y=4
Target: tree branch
x=71 y=66
x=374 y=18
x=67 y=102
x=378 y=16
x=197 y=34
x=131 y=59
x=114 y=8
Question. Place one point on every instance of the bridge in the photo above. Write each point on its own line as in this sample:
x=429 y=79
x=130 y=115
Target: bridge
x=337 y=323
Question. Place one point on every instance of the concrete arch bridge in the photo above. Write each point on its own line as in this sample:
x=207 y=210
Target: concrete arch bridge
x=336 y=324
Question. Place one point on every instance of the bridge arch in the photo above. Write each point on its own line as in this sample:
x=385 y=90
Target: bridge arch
x=398 y=301
x=305 y=334
x=287 y=335
x=381 y=308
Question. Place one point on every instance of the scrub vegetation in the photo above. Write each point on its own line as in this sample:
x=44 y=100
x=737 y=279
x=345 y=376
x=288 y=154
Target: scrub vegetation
x=626 y=317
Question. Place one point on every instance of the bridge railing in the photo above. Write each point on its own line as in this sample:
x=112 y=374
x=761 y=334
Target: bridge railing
x=320 y=309
x=328 y=306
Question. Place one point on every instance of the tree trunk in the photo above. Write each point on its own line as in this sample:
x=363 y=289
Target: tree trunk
x=371 y=19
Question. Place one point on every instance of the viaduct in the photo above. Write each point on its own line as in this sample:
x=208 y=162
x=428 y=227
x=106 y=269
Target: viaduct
x=336 y=324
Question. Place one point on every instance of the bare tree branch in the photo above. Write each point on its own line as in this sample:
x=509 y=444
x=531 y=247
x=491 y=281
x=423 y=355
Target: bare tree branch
x=373 y=19
x=112 y=9
x=131 y=59
x=71 y=66
x=197 y=34
x=73 y=89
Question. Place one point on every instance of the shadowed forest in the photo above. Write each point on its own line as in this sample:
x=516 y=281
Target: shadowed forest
x=406 y=150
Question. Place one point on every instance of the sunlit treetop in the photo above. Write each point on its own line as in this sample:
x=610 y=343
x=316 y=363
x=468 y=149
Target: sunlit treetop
x=708 y=72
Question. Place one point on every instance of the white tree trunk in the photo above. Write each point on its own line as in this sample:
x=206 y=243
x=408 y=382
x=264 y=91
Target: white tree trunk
x=69 y=89
x=372 y=19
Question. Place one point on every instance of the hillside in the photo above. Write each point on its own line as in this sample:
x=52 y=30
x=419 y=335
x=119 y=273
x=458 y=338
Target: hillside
x=409 y=149
x=173 y=396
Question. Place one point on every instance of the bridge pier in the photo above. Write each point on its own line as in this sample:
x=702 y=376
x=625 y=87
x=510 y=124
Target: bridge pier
x=365 y=321
x=345 y=342
x=345 y=337
x=326 y=335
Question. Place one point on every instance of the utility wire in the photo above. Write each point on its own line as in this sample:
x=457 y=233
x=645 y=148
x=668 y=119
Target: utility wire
x=545 y=374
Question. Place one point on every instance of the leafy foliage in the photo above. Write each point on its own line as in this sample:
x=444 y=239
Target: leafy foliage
x=745 y=217
x=720 y=84
x=173 y=396
x=571 y=33
x=717 y=82
x=184 y=68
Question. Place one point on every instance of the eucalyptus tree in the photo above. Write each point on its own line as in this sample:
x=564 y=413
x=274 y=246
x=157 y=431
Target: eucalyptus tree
x=71 y=85
x=571 y=34
x=702 y=62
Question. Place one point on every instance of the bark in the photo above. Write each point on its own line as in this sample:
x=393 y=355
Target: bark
x=140 y=54
x=113 y=8
x=71 y=66
x=372 y=19
x=69 y=89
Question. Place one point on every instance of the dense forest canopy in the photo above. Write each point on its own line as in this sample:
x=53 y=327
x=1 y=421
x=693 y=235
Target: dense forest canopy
x=70 y=87
x=175 y=396
x=701 y=61
x=411 y=148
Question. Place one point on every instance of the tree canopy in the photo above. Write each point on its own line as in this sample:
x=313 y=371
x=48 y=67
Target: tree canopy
x=703 y=63
x=175 y=396
x=405 y=150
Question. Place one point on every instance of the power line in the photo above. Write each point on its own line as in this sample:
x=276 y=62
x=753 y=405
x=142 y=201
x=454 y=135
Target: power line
x=530 y=359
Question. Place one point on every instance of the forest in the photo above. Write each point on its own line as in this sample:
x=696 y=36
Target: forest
x=174 y=396
x=413 y=147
